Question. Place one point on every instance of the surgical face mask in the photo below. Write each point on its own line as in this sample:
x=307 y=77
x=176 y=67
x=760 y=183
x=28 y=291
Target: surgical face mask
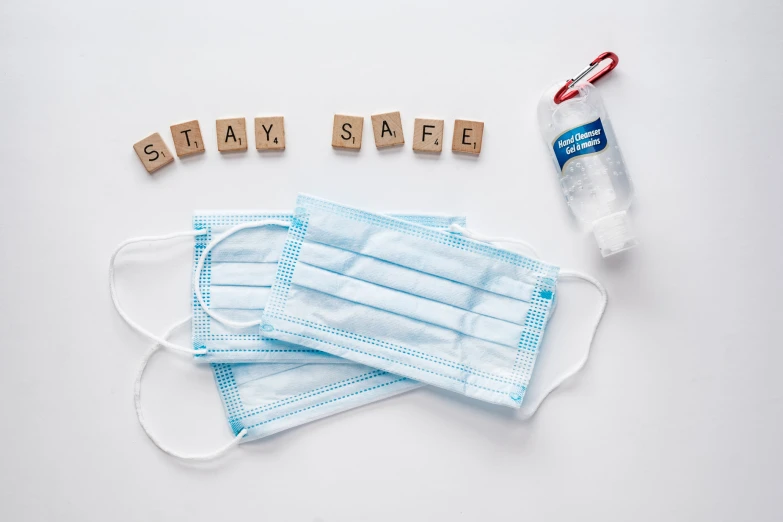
x=235 y=280
x=426 y=304
x=234 y=264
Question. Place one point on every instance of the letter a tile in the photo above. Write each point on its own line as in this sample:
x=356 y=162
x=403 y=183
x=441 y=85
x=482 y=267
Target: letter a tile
x=387 y=129
x=231 y=134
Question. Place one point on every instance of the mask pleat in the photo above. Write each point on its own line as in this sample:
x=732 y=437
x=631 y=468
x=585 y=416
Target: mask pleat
x=239 y=297
x=240 y=348
x=288 y=382
x=421 y=254
x=374 y=323
x=242 y=315
x=252 y=245
x=359 y=294
x=244 y=274
x=246 y=373
x=414 y=282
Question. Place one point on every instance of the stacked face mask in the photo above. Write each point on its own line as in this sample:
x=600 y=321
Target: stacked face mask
x=288 y=384
x=421 y=303
x=314 y=313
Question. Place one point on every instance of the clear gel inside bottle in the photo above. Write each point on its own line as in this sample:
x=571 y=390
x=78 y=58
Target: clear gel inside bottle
x=590 y=166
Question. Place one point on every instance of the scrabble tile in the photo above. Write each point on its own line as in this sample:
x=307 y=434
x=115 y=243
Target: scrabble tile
x=231 y=134
x=187 y=138
x=270 y=133
x=467 y=136
x=153 y=153
x=427 y=135
x=387 y=129
x=347 y=132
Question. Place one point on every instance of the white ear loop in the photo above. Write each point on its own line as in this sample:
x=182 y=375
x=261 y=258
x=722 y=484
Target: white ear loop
x=140 y=414
x=133 y=324
x=196 y=281
x=564 y=274
x=200 y=266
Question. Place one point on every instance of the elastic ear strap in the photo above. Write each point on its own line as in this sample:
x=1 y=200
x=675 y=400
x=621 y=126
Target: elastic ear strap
x=112 y=288
x=200 y=266
x=565 y=274
x=470 y=234
x=137 y=401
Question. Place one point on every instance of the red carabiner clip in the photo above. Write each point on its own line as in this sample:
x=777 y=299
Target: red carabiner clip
x=563 y=94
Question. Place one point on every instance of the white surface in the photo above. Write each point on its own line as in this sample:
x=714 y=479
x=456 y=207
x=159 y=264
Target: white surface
x=678 y=414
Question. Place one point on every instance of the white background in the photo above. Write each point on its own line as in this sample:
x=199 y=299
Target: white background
x=679 y=412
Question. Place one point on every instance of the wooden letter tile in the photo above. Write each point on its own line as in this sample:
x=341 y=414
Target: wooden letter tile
x=467 y=136
x=427 y=135
x=387 y=129
x=270 y=133
x=347 y=132
x=231 y=134
x=187 y=138
x=153 y=153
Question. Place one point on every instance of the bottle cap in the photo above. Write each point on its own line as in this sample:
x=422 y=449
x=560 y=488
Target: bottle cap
x=613 y=233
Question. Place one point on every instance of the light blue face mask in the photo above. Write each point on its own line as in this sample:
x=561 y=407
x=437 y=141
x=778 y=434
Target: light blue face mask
x=421 y=303
x=235 y=281
x=261 y=398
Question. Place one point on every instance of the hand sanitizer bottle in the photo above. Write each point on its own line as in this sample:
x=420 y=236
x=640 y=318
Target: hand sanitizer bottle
x=589 y=163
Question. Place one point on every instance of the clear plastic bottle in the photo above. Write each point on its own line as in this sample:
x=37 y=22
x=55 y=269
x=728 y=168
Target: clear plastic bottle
x=591 y=168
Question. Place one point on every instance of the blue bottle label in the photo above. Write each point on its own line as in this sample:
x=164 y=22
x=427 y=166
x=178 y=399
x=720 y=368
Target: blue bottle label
x=585 y=139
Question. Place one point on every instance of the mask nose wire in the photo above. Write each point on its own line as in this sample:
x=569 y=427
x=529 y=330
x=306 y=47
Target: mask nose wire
x=200 y=266
x=564 y=274
x=140 y=414
x=113 y=289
